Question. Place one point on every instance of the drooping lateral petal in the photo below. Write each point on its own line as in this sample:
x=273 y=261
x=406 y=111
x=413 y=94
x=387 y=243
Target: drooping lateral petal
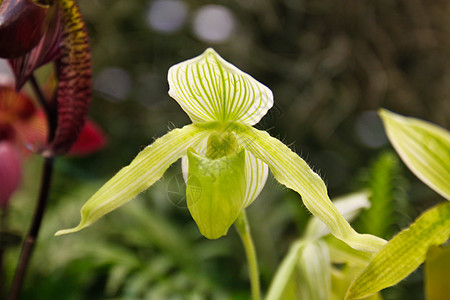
x=349 y=206
x=208 y=88
x=75 y=79
x=148 y=166
x=424 y=148
x=293 y=172
x=403 y=253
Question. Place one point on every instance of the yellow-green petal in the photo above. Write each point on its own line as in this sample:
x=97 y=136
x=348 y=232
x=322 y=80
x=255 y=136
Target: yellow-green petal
x=403 y=253
x=215 y=191
x=293 y=172
x=424 y=147
x=148 y=166
x=208 y=88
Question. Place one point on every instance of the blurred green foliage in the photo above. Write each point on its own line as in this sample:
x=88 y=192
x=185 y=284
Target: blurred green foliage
x=329 y=64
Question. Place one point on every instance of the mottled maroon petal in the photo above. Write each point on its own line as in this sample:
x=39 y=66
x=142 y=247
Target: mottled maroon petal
x=75 y=82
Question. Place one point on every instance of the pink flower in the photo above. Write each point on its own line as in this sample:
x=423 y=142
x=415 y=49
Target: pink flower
x=23 y=128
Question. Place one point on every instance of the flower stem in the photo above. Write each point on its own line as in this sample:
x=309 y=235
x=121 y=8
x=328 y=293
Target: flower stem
x=46 y=178
x=30 y=239
x=243 y=228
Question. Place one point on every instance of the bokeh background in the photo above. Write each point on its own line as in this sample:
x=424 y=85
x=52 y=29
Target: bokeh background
x=330 y=64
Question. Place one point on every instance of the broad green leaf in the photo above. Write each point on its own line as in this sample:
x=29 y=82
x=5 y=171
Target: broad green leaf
x=315 y=271
x=305 y=273
x=437 y=266
x=424 y=147
x=403 y=253
x=284 y=273
x=208 y=88
x=148 y=166
x=293 y=172
x=341 y=279
x=215 y=191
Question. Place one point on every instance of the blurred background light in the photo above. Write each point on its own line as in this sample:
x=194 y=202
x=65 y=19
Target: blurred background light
x=113 y=83
x=213 y=23
x=167 y=16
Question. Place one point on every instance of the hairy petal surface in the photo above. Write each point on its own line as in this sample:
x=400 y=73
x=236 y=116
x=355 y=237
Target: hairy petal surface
x=424 y=147
x=293 y=172
x=148 y=166
x=208 y=88
x=403 y=253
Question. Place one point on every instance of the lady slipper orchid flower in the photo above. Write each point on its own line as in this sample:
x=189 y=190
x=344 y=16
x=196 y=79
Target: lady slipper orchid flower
x=225 y=159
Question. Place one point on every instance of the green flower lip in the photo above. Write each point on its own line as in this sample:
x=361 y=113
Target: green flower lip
x=218 y=97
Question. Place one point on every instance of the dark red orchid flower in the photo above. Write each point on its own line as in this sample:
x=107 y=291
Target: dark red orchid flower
x=62 y=38
x=24 y=128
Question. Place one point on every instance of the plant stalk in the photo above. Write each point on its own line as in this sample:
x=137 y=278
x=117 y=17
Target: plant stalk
x=3 y=221
x=46 y=178
x=30 y=239
x=243 y=228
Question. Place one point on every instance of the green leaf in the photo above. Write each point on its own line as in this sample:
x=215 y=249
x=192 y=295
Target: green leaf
x=424 y=147
x=208 y=88
x=315 y=271
x=403 y=253
x=284 y=273
x=148 y=166
x=305 y=273
x=387 y=188
x=437 y=266
x=293 y=172
x=215 y=191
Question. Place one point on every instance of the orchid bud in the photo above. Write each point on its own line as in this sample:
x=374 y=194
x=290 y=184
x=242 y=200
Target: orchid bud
x=21 y=26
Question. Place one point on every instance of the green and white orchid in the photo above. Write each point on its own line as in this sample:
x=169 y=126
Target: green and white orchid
x=225 y=159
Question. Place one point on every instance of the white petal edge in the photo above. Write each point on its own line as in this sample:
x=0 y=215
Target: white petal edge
x=256 y=172
x=293 y=172
x=208 y=88
x=148 y=167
